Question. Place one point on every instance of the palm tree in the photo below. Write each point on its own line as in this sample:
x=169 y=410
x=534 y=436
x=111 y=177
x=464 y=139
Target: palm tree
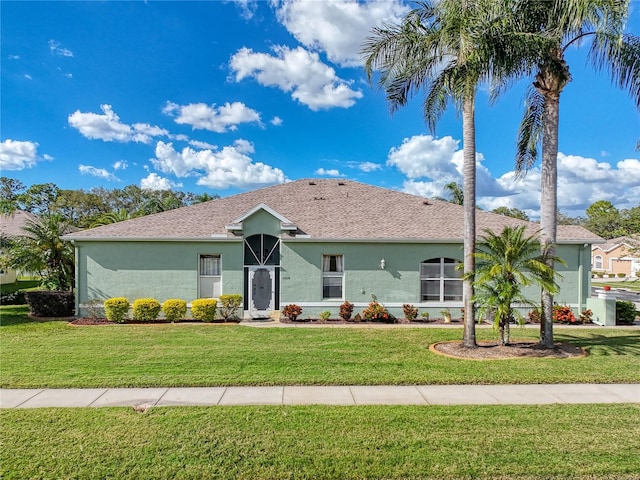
x=541 y=34
x=505 y=264
x=111 y=217
x=41 y=250
x=444 y=49
x=456 y=193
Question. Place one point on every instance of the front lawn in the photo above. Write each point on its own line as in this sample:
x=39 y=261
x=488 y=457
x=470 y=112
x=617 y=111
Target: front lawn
x=54 y=354
x=324 y=442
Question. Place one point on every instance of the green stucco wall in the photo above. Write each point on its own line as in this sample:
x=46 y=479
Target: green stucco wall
x=159 y=270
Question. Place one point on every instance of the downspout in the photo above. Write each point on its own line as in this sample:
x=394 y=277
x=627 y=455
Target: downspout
x=581 y=260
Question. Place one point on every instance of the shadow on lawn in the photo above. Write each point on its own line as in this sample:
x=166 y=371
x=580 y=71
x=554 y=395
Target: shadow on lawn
x=15 y=315
x=605 y=344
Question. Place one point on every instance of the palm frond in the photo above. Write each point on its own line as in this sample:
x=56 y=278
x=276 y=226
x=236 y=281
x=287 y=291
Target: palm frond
x=530 y=132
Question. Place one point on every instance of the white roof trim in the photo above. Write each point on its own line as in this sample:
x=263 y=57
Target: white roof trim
x=266 y=208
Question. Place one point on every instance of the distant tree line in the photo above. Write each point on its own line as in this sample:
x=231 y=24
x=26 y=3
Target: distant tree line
x=97 y=206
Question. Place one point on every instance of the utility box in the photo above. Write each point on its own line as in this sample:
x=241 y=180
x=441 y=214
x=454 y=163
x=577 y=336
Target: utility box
x=603 y=309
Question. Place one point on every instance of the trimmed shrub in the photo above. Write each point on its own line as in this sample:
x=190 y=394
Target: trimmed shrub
x=174 y=309
x=204 y=309
x=13 y=298
x=326 y=315
x=410 y=313
x=292 y=311
x=51 y=303
x=229 y=306
x=146 y=309
x=625 y=312
x=377 y=312
x=621 y=275
x=116 y=309
x=563 y=314
x=346 y=310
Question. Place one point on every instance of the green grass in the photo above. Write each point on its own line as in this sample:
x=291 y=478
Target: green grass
x=633 y=285
x=305 y=442
x=54 y=354
x=19 y=285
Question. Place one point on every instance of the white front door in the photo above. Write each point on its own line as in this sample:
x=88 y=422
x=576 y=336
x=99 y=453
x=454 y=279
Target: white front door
x=261 y=291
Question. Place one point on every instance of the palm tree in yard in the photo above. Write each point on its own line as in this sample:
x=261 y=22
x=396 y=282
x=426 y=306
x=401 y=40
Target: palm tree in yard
x=456 y=193
x=444 y=49
x=505 y=264
x=40 y=250
x=541 y=33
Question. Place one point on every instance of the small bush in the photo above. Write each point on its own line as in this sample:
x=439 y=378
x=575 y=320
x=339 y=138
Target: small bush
x=229 y=306
x=563 y=314
x=51 y=303
x=535 y=315
x=410 y=313
x=425 y=316
x=611 y=275
x=292 y=311
x=346 y=310
x=146 y=309
x=585 y=316
x=204 y=309
x=13 y=298
x=621 y=275
x=377 y=312
x=326 y=315
x=357 y=318
x=174 y=309
x=625 y=312
x=116 y=309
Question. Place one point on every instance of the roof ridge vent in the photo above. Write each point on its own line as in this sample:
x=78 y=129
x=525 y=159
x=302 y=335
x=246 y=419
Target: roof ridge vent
x=312 y=183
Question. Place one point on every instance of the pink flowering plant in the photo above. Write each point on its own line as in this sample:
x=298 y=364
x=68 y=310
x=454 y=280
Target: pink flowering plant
x=376 y=312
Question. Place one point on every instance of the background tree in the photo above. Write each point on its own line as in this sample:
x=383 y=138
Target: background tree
x=9 y=190
x=511 y=212
x=505 y=264
x=112 y=217
x=541 y=34
x=604 y=219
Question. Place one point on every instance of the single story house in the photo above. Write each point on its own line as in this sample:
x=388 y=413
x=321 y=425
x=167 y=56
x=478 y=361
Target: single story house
x=617 y=256
x=11 y=227
x=315 y=243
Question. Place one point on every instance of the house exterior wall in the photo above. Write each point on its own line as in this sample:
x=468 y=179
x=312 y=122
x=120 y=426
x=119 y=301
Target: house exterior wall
x=160 y=270
x=612 y=260
x=163 y=270
x=7 y=276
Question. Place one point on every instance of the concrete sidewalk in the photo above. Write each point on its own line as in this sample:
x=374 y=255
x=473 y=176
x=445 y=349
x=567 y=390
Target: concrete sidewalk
x=322 y=395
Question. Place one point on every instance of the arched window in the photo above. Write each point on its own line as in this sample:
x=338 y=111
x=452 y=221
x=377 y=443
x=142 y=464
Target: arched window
x=261 y=249
x=597 y=262
x=440 y=280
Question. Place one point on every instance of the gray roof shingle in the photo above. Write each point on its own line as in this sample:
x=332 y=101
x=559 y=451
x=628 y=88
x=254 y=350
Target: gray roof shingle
x=324 y=209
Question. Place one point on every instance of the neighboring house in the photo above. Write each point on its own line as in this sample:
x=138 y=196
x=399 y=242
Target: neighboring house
x=618 y=255
x=11 y=227
x=315 y=243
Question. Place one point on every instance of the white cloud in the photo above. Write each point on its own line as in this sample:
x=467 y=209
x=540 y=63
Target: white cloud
x=423 y=156
x=97 y=172
x=153 y=181
x=203 y=145
x=337 y=27
x=120 y=165
x=247 y=7
x=369 y=166
x=298 y=71
x=55 y=48
x=429 y=164
x=17 y=155
x=28 y=77
x=229 y=167
x=107 y=127
x=14 y=57
x=277 y=121
x=208 y=117
x=331 y=172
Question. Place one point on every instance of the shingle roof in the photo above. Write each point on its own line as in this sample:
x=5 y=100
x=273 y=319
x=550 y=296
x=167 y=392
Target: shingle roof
x=11 y=225
x=323 y=209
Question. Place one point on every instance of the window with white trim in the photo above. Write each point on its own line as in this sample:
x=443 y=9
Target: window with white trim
x=332 y=276
x=597 y=264
x=209 y=276
x=440 y=280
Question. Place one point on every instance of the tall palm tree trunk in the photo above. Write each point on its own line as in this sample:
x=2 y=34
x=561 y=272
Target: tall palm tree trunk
x=469 y=205
x=549 y=205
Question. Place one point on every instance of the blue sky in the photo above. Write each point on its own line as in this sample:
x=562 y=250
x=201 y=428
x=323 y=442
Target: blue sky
x=224 y=97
